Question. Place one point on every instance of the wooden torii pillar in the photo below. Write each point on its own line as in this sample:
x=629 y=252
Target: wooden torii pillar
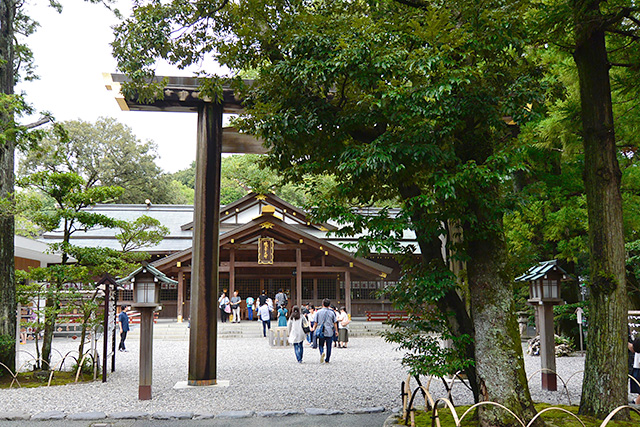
x=181 y=94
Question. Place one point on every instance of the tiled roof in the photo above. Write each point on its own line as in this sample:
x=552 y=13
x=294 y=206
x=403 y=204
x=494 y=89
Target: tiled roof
x=540 y=270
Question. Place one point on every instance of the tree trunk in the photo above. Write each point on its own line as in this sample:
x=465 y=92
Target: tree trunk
x=499 y=360
x=605 y=379
x=7 y=267
x=451 y=304
x=50 y=315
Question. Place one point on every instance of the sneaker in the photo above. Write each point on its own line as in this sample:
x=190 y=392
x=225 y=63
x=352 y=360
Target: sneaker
x=321 y=357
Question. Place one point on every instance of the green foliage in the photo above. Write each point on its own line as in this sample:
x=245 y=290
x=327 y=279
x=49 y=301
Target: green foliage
x=144 y=231
x=7 y=352
x=423 y=338
x=241 y=174
x=105 y=153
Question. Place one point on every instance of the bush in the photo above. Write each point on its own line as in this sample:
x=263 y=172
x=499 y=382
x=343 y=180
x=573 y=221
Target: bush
x=7 y=352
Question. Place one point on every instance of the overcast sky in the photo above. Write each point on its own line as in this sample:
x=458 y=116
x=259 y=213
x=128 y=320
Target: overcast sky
x=71 y=52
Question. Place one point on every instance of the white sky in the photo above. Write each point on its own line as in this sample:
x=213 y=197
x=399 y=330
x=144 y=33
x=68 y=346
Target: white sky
x=71 y=52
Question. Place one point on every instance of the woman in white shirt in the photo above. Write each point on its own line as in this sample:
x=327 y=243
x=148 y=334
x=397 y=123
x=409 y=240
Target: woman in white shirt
x=296 y=333
x=343 y=328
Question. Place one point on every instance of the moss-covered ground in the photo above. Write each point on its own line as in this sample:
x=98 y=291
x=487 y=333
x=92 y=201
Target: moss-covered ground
x=41 y=378
x=551 y=418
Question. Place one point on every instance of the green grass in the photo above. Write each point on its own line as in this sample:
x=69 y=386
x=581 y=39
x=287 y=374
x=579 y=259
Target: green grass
x=41 y=378
x=551 y=418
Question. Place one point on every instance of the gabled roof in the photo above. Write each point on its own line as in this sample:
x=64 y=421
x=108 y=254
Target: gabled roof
x=267 y=224
x=151 y=269
x=538 y=271
x=254 y=202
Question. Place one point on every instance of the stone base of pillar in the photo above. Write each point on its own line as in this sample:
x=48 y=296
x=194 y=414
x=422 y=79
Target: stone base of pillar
x=182 y=385
x=144 y=392
x=549 y=381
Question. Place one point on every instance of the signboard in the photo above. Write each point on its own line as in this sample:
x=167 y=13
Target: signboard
x=265 y=250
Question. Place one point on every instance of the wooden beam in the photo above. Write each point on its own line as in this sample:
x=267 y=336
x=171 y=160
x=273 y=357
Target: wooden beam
x=318 y=269
x=254 y=246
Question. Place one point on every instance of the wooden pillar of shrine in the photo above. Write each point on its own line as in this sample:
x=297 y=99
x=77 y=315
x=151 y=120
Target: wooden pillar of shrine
x=180 y=307
x=232 y=271
x=347 y=291
x=299 y=277
x=205 y=261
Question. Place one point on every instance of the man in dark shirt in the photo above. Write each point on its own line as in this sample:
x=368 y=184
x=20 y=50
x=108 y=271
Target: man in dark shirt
x=262 y=299
x=123 y=321
x=326 y=329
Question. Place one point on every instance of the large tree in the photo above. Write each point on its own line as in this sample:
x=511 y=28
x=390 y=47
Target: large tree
x=400 y=103
x=105 y=153
x=599 y=35
x=15 y=63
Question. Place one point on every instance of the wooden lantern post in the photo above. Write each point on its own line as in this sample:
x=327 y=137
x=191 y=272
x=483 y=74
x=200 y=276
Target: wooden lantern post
x=146 y=299
x=544 y=292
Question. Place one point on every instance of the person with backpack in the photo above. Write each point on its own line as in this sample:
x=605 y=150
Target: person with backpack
x=326 y=329
x=225 y=307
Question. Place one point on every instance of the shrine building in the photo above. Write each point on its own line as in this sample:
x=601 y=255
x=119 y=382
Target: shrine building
x=265 y=244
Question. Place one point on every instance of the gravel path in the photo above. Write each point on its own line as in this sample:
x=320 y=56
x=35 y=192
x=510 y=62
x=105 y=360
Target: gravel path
x=367 y=374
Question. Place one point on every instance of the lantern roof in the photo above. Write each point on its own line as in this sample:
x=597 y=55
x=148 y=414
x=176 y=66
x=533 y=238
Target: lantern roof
x=145 y=267
x=541 y=270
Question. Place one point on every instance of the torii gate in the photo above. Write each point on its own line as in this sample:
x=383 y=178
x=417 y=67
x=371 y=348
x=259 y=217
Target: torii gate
x=181 y=94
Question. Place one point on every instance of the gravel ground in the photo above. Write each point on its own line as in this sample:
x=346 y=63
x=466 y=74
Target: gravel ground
x=367 y=374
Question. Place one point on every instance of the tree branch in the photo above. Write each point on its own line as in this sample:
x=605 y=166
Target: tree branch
x=418 y=4
x=40 y=122
x=623 y=33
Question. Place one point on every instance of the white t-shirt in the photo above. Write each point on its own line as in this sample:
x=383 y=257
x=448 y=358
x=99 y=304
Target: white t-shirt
x=264 y=312
x=636 y=361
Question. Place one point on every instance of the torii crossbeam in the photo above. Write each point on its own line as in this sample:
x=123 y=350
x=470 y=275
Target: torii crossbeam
x=182 y=94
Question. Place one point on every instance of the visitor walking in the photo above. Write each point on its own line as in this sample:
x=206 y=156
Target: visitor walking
x=326 y=329
x=123 y=322
x=281 y=299
x=262 y=299
x=264 y=314
x=313 y=340
x=250 y=302
x=225 y=307
x=343 y=328
x=635 y=373
x=282 y=316
x=235 y=307
x=296 y=332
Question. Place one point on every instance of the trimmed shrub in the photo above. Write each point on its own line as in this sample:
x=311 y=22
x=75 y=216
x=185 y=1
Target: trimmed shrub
x=7 y=352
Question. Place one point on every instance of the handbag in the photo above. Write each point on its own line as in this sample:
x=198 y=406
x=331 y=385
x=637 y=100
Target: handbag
x=305 y=326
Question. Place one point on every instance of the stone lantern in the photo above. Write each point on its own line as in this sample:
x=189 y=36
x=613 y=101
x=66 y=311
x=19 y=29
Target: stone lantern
x=545 y=280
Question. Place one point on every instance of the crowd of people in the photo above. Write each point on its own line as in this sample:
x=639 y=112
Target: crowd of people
x=322 y=328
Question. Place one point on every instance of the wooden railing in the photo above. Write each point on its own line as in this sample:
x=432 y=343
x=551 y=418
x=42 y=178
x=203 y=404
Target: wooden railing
x=385 y=316
x=134 y=317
